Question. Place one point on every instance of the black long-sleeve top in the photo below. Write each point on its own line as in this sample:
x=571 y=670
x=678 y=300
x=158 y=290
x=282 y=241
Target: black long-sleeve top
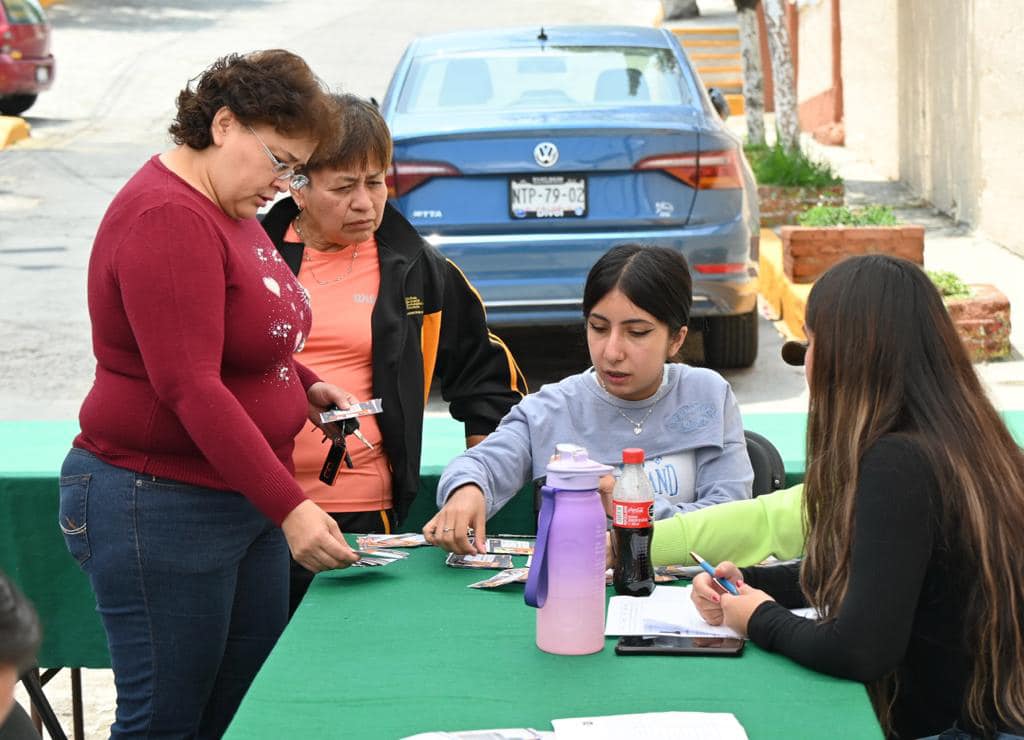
x=904 y=608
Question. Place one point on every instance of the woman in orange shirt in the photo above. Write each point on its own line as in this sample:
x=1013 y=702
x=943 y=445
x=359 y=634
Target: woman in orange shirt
x=390 y=313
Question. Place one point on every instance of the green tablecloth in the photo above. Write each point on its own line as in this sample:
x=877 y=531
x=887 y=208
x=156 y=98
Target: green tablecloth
x=388 y=652
x=32 y=550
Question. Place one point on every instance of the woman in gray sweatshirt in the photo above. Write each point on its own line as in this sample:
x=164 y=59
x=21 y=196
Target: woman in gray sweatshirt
x=636 y=303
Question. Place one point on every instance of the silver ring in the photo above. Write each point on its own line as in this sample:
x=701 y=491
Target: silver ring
x=448 y=529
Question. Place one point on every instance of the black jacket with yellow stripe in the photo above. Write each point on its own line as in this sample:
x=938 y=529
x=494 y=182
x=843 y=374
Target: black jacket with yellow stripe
x=428 y=320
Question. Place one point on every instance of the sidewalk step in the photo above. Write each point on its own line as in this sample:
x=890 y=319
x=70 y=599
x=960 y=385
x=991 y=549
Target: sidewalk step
x=711 y=31
x=737 y=106
x=707 y=56
x=711 y=44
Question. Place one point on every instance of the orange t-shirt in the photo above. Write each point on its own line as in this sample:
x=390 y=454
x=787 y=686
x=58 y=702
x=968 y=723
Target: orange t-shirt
x=342 y=293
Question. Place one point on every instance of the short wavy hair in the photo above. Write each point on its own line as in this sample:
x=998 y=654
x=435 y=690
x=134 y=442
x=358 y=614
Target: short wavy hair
x=273 y=87
x=359 y=139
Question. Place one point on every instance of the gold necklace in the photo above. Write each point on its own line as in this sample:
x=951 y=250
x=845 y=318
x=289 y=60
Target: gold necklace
x=307 y=258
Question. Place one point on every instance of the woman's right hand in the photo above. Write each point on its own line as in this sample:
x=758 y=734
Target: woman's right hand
x=315 y=539
x=706 y=594
x=465 y=509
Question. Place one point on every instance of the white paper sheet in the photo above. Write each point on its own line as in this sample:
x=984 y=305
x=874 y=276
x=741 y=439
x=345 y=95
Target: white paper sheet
x=668 y=610
x=652 y=726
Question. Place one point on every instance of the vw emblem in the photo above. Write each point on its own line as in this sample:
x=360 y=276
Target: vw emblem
x=546 y=154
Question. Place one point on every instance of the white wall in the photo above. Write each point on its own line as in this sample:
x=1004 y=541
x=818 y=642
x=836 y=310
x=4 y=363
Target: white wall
x=815 y=49
x=870 y=65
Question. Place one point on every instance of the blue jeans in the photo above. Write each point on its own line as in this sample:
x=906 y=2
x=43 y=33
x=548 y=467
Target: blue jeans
x=192 y=587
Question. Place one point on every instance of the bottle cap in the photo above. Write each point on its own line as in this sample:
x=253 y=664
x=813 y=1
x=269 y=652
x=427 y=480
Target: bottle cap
x=632 y=455
x=572 y=468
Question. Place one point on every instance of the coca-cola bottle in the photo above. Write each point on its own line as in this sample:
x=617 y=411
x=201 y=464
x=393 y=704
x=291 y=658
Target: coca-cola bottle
x=633 y=527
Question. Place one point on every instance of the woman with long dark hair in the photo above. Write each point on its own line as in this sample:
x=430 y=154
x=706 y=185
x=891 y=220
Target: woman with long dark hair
x=914 y=507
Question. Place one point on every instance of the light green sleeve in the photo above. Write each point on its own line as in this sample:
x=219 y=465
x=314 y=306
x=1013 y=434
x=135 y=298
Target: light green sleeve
x=745 y=532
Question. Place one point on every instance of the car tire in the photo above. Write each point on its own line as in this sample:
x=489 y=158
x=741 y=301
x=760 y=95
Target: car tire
x=14 y=105
x=731 y=341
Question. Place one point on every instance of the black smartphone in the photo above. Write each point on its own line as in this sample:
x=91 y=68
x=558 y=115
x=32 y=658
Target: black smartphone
x=678 y=645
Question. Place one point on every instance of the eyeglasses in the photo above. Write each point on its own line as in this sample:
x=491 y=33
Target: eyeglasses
x=281 y=170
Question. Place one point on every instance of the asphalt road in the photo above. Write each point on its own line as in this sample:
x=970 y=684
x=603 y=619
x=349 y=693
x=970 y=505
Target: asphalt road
x=120 y=64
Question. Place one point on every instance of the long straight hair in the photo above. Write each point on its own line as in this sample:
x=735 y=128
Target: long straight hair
x=886 y=358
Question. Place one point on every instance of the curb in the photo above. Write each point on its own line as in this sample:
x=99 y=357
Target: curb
x=12 y=129
x=786 y=300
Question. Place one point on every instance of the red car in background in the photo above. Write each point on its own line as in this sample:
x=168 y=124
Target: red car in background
x=26 y=64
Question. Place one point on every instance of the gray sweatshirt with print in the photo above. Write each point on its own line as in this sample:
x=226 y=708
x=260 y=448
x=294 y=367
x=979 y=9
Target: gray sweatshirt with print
x=693 y=416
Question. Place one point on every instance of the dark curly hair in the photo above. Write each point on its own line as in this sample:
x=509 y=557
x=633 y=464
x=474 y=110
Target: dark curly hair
x=273 y=87
x=20 y=633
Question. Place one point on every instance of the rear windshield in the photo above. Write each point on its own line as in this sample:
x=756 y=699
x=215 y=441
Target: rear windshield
x=535 y=79
x=23 y=12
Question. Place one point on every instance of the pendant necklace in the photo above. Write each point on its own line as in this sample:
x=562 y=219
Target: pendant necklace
x=307 y=258
x=638 y=426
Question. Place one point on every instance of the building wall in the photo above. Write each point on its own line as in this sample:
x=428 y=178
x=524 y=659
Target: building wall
x=815 y=38
x=934 y=96
x=871 y=80
x=937 y=103
x=998 y=29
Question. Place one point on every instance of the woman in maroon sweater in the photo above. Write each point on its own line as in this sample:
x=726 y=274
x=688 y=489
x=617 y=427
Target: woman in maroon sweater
x=914 y=508
x=177 y=498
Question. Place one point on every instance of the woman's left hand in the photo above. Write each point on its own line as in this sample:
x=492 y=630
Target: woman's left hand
x=738 y=609
x=322 y=396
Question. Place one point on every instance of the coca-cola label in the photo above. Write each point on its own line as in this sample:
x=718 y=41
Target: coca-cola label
x=633 y=514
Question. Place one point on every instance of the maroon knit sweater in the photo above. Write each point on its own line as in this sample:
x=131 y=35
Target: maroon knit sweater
x=194 y=321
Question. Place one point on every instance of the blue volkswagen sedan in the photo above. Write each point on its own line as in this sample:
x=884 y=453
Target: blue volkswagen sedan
x=525 y=154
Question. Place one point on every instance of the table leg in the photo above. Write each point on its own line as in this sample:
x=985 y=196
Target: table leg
x=41 y=705
x=76 y=704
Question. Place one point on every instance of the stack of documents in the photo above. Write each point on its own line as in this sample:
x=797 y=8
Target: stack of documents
x=667 y=611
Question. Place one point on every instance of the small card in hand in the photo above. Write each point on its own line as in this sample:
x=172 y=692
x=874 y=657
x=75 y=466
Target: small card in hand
x=498 y=562
x=510 y=547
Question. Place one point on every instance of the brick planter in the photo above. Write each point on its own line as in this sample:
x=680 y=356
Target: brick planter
x=983 y=321
x=808 y=251
x=781 y=205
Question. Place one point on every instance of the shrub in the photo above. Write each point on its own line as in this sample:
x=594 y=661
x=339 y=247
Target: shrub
x=821 y=216
x=949 y=285
x=776 y=165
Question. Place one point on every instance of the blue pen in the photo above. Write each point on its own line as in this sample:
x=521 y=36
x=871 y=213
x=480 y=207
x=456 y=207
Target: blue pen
x=723 y=582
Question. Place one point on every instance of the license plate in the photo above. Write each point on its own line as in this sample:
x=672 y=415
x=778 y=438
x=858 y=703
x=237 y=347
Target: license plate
x=42 y=74
x=547 y=196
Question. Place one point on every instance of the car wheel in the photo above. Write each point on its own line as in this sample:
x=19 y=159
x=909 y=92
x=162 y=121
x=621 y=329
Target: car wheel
x=13 y=105
x=731 y=341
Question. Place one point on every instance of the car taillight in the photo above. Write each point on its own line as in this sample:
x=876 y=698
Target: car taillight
x=721 y=268
x=404 y=177
x=718 y=170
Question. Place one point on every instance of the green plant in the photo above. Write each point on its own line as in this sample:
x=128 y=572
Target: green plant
x=776 y=165
x=821 y=216
x=949 y=285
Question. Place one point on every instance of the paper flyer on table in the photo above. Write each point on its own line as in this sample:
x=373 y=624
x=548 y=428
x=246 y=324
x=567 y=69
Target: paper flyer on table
x=666 y=611
x=651 y=726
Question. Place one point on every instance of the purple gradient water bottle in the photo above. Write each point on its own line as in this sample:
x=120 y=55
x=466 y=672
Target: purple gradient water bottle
x=566 y=580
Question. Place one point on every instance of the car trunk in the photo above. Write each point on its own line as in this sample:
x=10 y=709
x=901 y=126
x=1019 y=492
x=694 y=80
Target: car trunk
x=496 y=184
